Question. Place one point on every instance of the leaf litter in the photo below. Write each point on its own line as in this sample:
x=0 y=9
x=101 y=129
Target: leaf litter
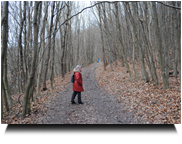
x=38 y=107
x=150 y=103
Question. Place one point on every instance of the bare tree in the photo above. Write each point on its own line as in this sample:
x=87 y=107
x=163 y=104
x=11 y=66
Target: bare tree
x=102 y=39
x=143 y=69
x=107 y=34
x=166 y=48
x=20 y=45
x=3 y=55
x=42 y=37
x=53 y=48
x=177 y=29
x=49 y=30
x=159 y=45
x=32 y=72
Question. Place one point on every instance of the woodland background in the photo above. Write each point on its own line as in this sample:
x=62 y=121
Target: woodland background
x=44 y=40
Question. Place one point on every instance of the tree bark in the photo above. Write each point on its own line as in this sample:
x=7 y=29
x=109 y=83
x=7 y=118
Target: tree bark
x=159 y=45
x=118 y=31
x=53 y=53
x=43 y=46
x=177 y=30
x=33 y=65
x=102 y=39
x=3 y=55
x=5 y=98
x=22 y=77
x=49 y=48
x=166 y=48
x=133 y=38
x=144 y=72
x=107 y=35
x=28 y=42
x=151 y=51
x=6 y=85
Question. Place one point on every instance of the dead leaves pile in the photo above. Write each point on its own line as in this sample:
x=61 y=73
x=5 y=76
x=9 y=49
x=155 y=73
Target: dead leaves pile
x=151 y=104
x=38 y=107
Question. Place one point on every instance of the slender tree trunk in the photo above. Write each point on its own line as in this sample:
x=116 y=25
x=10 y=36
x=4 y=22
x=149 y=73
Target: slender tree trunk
x=25 y=46
x=3 y=56
x=102 y=39
x=6 y=85
x=63 y=60
x=151 y=51
x=5 y=68
x=118 y=31
x=49 y=48
x=107 y=35
x=166 y=48
x=121 y=45
x=111 y=31
x=159 y=46
x=177 y=30
x=70 y=39
x=22 y=77
x=5 y=97
x=42 y=49
x=28 y=42
x=53 y=54
x=144 y=72
x=33 y=65
x=133 y=38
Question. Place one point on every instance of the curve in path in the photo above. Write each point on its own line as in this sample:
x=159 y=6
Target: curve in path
x=99 y=107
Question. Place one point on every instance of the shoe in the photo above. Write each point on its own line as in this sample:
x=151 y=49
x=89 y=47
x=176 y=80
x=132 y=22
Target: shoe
x=73 y=102
x=81 y=103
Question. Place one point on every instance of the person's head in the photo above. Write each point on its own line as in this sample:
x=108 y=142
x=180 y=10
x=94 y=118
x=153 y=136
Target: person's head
x=78 y=68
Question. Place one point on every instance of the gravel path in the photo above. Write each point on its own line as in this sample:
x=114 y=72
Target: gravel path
x=99 y=107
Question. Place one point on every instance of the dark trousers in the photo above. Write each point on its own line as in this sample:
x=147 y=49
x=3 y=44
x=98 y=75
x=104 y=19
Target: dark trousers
x=79 y=96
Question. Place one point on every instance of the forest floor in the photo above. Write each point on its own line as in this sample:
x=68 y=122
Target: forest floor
x=109 y=98
x=150 y=104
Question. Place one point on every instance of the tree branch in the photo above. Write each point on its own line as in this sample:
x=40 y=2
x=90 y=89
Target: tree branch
x=160 y=3
x=168 y=5
x=2 y=20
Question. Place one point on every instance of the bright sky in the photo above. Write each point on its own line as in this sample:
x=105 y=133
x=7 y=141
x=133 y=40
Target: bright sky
x=86 y=13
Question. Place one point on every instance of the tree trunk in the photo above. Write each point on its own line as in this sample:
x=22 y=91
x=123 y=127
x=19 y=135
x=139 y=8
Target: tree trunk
x=166 y=48
x=107 y=35
x=5 y=97
x=28 y=42
x=111 y=31
x=177 y=30
x=42 y=49
x=6 y=85
x=33 y=65
x=53 y=53
x=150 y=45
x=102 y=39
x=25 y=43
x=133 y=38
x=5 y=68
x=3 y=55
x=49 y=48
x=118 y=31
x=22 y=77
x=144 y=72
x=159 y=45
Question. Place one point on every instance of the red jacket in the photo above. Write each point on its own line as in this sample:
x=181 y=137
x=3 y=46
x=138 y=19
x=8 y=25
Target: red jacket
x=78 y=84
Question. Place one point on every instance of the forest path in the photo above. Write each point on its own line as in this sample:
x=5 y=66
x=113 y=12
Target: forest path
x=99 y=107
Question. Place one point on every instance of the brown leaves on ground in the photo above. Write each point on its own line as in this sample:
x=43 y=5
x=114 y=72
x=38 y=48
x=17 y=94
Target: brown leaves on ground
x=38 y=107
x=152 y=104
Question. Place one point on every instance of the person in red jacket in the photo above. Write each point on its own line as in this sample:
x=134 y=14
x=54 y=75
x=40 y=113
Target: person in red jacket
x=77 y=85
